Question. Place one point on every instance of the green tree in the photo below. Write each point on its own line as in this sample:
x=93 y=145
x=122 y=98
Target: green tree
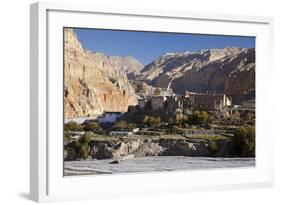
x=151 y=121
x=92 y=126
x=83 y=144
x=243 y=141
x=199 y=117
x=67 y=136
x=73 y=126
x=157 y=91
x=85 y=138
x=84 y=150
x=121 y=125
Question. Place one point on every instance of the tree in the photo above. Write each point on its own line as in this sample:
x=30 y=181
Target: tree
x=213 y=147
x=247 y=115
x=185 y=118
x=157 y=91
x=151 y=121
x=83 y=144
x=145 y=119
x=178 y=119
x=121 y=125
x=199 y=117
x=73 y=126
x=243 y=141
x=84 y=150
x=157 y=121
x=66 y=136
x=235 y=115
x=85 y=138
x=171 y=121
x=92 y=126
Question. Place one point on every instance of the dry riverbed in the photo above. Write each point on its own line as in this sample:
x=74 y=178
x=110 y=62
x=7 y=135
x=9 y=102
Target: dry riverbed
x=152 y=164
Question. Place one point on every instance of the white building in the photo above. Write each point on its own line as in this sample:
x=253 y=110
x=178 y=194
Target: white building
x=120 y=133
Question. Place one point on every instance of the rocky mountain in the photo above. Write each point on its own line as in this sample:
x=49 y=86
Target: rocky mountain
x=93 y=82
x=115 y=66
x=142 y=88
x=229 y=70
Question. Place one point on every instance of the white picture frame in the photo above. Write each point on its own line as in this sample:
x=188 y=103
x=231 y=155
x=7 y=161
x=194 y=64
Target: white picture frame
x=47 y=182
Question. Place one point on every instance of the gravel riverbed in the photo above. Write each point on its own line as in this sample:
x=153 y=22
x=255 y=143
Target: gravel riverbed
x=152 y=164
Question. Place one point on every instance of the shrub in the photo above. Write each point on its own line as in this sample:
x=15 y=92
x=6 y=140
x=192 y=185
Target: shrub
x=150 y=120
x=92 y=126
x=145 y=119
x=67 y=136
x=123 y=125
x=171 y=121
x=199 y=117
x=213 y=147
x=157 y=91
x=73 y=126
x=247 y=115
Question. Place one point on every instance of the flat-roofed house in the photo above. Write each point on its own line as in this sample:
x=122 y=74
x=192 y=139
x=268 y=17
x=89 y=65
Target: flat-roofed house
x=209 y=101
x=157 y=102
x=142 y=103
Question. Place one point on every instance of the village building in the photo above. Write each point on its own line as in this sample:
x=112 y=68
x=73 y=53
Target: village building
x=172 y=103
x=120 y=133
x=142 y=103
x=123 y=133
x=109 y=117
x=209 y=101
x=157 y=102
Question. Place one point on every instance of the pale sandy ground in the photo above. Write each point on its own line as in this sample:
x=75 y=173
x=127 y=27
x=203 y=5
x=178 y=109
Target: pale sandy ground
x=151 y=164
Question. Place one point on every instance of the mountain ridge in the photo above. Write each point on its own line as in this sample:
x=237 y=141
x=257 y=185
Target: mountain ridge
x=210 y=70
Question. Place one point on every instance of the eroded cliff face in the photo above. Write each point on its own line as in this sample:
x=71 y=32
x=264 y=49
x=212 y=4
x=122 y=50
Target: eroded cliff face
x=91 y=85
x=229 y=70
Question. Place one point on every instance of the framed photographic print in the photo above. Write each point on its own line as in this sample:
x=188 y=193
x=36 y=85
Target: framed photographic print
x=127 y=102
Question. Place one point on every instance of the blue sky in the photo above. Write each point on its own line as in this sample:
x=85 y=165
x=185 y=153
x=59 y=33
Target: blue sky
x=147 y=46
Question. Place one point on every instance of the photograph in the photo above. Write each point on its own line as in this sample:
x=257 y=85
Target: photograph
x=148 y=101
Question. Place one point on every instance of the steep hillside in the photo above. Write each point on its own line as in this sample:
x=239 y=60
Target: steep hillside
x=92 y=85
x=228 y=70
x=115 y=66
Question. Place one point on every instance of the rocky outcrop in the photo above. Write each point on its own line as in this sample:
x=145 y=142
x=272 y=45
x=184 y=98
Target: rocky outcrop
x=92 y=85
x=142 y=87
x=137 y=147
x=115 y=66
x=228 y=70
